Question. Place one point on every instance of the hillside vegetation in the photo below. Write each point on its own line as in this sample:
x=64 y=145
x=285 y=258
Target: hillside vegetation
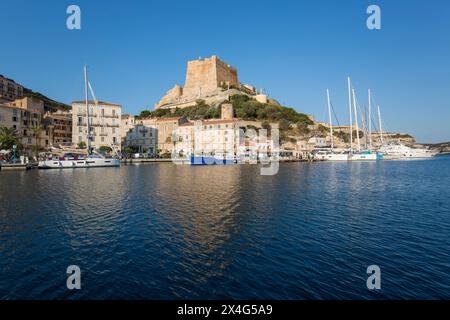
x=47 y=101
x=244 y=108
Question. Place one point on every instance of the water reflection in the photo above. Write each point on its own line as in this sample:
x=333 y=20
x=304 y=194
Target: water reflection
x=167 y=231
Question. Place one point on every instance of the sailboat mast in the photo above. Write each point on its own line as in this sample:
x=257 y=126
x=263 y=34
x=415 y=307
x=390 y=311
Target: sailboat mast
x=87 y=110
x=329 y=115
x=350 y=112
x=356 y=120
x=379 y=122
x=370 y=121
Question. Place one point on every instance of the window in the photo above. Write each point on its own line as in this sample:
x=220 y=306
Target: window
x=80 y=129
x=114 y=140
x=113 y=130
x=103 y=139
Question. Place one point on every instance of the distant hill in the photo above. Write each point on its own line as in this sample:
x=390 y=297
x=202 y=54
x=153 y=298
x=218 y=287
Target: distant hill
x=47 y=101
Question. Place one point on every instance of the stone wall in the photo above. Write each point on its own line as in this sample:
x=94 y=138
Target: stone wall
x=204 y=78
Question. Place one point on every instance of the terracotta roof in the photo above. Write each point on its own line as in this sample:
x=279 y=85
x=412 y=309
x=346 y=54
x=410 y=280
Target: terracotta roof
x=218 y=121
x=168 y=119
x=187 y=124
x=99 y=102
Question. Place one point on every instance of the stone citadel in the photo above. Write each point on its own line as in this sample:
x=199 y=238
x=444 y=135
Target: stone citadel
x=209 y=79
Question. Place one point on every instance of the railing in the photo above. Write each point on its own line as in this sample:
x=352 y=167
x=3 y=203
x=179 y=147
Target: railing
x=115 y=116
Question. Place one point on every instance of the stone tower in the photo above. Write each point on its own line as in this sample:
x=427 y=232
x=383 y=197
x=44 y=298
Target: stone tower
x=227 y=111
x=205 y=76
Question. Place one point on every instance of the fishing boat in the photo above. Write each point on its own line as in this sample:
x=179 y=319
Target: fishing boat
x=74 y=160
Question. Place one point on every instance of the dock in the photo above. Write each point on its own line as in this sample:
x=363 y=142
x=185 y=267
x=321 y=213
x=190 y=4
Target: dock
x=17 y=166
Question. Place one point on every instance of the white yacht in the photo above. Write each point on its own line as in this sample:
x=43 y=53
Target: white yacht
x=74 y=160
x=397 y=151
x=331 y=154
x=365 y=156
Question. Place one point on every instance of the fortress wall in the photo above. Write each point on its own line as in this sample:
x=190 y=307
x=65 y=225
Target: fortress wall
x=226 y=74
x=208 y=74
x=200 y=76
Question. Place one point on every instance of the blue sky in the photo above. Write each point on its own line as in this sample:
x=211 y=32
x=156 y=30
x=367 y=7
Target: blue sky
x=137 y=50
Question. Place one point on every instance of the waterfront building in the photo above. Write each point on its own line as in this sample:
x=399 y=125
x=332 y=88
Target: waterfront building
x=127 y=123
x=31 y=114
x=318 y=142
x=9 y=90
x=104 y=122
x=57 y=129
x=10 y=117
x=166 y=129
x=227 y=137
x=142 y=137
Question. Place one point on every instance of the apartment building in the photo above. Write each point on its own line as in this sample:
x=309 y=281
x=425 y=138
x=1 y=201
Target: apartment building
x=10 y=117
x=227 y=137
x=143 y=138
x=166 y=129
x=104 y=122
x=9 y=90
x=57 y=129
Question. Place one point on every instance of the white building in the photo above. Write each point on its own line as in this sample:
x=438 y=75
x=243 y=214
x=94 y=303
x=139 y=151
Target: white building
x=142 y=137
x=223 y=138
x=104 y=122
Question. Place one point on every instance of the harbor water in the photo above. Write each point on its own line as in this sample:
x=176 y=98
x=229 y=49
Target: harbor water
x=164 y=231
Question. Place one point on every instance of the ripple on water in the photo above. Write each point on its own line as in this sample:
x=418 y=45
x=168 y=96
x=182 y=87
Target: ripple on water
x=165 y=231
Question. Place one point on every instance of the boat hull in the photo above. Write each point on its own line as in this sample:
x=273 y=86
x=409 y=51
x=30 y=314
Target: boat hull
x=84 y=163
x=363 y=157
x=201 y=160
x=336 y=157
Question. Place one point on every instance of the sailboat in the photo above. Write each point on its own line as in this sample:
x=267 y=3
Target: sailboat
x=332 y=154
x=359 y=154
x=71 y=160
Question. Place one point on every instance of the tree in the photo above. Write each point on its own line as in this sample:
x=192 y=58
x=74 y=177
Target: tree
x=82 y=145
x=284 y=125
x=36 y=131
x=105 y=149
x=9 y=138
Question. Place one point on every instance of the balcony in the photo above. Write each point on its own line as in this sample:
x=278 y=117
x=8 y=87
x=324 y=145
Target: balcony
x=109 y=116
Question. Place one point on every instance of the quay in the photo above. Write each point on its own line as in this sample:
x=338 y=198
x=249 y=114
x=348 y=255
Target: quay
x=17 y=166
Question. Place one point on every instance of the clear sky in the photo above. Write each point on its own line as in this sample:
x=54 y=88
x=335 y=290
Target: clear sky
x=137 y=50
